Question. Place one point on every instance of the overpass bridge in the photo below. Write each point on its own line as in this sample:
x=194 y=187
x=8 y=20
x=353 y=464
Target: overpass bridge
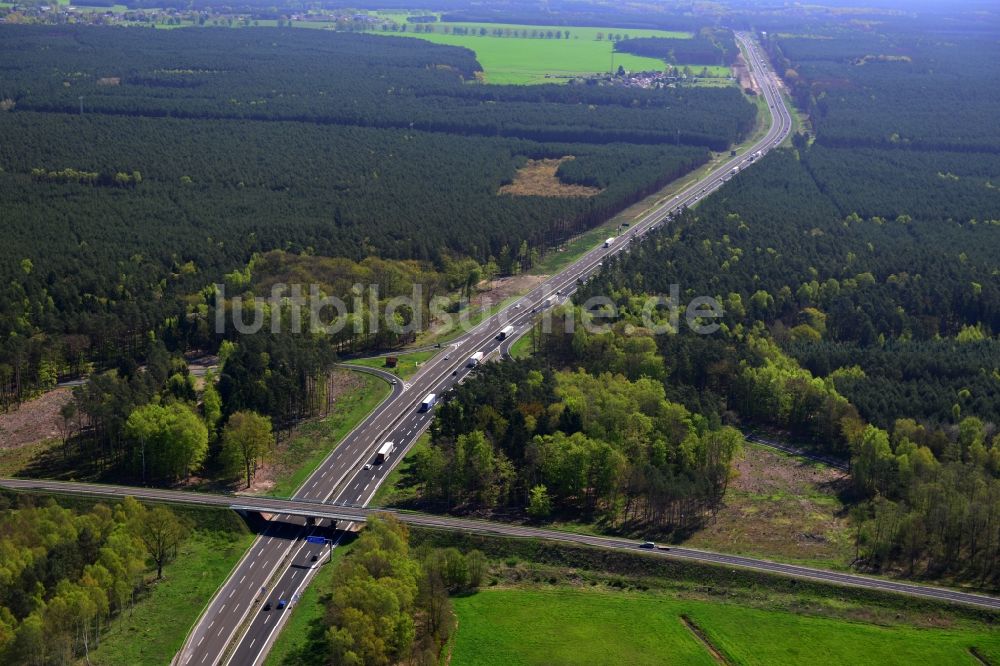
x=356 y=514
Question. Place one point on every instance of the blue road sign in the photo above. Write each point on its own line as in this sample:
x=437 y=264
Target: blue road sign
x=315 y=539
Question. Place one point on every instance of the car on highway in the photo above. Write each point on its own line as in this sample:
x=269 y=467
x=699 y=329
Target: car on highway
x=447 y=357
x=267 y=605
x=454 y=373
x=281 y=604
x=647 y=544
x=314 y=558
x=368 y=466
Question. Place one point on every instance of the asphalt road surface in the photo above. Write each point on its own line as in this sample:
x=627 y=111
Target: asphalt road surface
x=346 y=514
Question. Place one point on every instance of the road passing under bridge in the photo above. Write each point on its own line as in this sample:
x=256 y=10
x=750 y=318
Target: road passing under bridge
x=356 y=514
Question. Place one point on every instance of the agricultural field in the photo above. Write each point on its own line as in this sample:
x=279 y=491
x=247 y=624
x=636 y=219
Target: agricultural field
x=564 y=626
x=519 y=60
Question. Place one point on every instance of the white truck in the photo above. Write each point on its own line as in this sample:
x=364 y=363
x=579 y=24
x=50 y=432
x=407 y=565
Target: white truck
x=383 y=453
x=506 y=333
x=475 y=360
x=609 y=242
x=428 y=402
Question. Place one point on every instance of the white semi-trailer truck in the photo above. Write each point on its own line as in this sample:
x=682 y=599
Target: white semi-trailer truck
x=383 y=453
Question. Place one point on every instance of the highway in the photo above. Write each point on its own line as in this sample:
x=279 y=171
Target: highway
x=234 y=628
x=284 y=566
x=359 y=514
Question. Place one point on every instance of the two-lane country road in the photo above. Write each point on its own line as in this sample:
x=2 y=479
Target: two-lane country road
x=346 y=514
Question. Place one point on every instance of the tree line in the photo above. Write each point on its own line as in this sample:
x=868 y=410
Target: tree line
x=66 y=574
x=520 y=436
x=706 y=48
x=389 y=604
x=151 y=426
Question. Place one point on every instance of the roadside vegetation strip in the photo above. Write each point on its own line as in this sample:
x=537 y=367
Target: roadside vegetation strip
x=306 y=622
x=399 y=486
x=155 y=629
x=408 y=363
x=522 y=348
x=688 y=574
x=313 y=442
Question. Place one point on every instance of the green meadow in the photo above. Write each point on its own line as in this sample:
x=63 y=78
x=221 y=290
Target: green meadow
x=569 y=626
x=518 y=60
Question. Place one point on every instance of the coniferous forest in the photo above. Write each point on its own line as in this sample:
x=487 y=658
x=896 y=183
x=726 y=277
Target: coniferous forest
x=162 y=160
x=858 y=279
x=857 y=266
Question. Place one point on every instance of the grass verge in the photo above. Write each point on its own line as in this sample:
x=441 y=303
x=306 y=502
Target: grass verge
x=155 y=629
x=401 y=484
x=522 y=348
x=14 y=461
x=305 y=625
x=313 y=441
x=407 y=365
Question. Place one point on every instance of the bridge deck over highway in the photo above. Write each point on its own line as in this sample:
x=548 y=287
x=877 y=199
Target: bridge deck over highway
x=321 y=510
